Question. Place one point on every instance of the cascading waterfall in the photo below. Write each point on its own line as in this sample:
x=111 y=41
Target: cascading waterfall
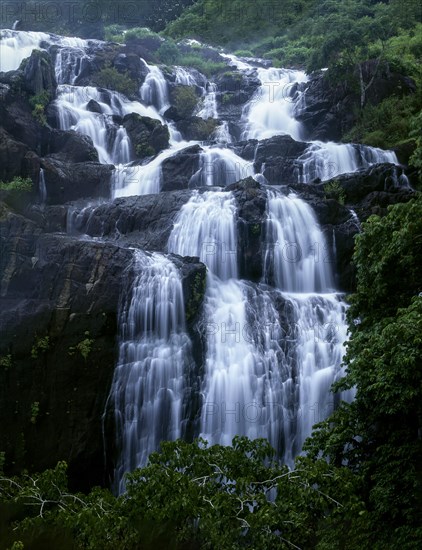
x=266 y=372
x=240 y=378
x=42 y=189
x=326 y=160
x=220 y=167
x=15 y=46
x=209 y=105
x=149 y=380
x=297 y=261
x=154 y=90
x=271 y=110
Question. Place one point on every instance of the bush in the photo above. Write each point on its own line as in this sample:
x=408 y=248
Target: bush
x=333 y=190
x=140 y=32
x=109 y=77
x=38 y=103
x=17 y=184
x=168 y=53
x=184 y=100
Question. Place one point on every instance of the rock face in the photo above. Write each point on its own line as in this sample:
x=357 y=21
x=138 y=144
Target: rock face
x=148 y=135
x=39 y=75
x=197 y=129
x=276 y=158
x=331 y=110
x=66 y=181
x=59 y=304
x=179 y=169
x=251 y=202
x=234 y=91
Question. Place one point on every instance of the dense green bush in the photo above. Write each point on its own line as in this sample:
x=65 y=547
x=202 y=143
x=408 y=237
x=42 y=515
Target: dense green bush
x=185 y=100
x=109 y=77
x=17 y=184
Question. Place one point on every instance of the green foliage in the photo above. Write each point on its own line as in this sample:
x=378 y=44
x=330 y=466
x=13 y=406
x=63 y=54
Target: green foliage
x=139 y=33
x=5 y=362
x=35 y=409
x=376 y=436
x=416 y=133
x=41 y=345
x=205 y=66
x=185 y=100
x=38 y=103
x=333 y=190
x=114 y=33
x=109 y=77
x=84 y=347
x=385 y=125
x=168 y=53
x=19 y=184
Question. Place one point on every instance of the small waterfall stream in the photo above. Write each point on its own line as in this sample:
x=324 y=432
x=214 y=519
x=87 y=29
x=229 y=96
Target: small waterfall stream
x=154 y=351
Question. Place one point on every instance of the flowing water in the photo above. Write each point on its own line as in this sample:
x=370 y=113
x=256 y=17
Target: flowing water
x=154 y=353
x=271 y=349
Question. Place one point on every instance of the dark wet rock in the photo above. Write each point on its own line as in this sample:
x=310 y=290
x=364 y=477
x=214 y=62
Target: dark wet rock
x=197 y=129
x=331 y=109
x=178 y=170
x=67 y=181
x=276 y=157
x=58 y=318
x=148 y=136
x=251 y=202
x=38 y=74
x=145 y=221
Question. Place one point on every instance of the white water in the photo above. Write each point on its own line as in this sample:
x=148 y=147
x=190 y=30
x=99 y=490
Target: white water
x=148 y=384
x=271 y=110
x=15 y=46
x=206 y=227
x=298 y=262
x=296 y=257
x=220 y=167
x=42 y=189
x=327 y=160
x=209 y=104
x=154 y=91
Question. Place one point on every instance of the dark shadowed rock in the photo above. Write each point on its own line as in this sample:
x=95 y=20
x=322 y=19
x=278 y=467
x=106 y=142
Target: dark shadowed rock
x=178 y=169
x=279 y=155
x=66 y=181
x=58 y=319
x=251 y=202
x=148 y=136
x=145 y=221
x=38 y=74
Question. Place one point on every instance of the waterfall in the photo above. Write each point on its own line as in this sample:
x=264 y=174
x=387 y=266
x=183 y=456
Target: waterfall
x=15 y=46
x=295 y=258
x=42 y=189
x=209 y=105
x=271 y=109
x=242 y=383
x=154 y=90
x=154 y=352
x=326 y=160
x=220 y=167
x=297 y=262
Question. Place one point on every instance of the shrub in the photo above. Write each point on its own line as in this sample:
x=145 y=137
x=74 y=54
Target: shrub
x=38 y=103
x=109 y=77
x=17 y=184
x=184 y=100
x=40 y=346
x=140 y=32
x=333 y=190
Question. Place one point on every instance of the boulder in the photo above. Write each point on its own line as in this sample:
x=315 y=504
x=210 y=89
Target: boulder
x=251 y=202
x=67 y=181
x=179 y=169
x=197 y=129
x=277 y=157
x=148 y=136
x=144 y=221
